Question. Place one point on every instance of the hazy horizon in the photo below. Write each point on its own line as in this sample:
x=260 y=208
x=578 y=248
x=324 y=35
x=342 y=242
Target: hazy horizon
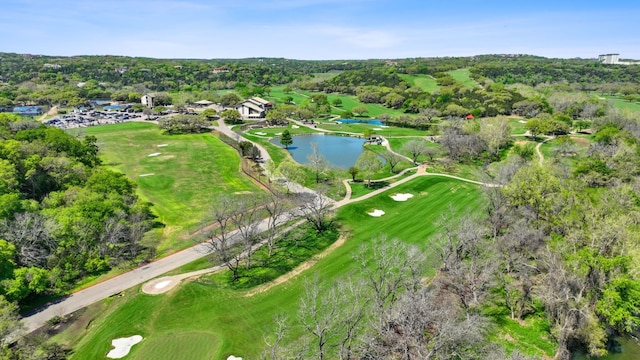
x=319 y=29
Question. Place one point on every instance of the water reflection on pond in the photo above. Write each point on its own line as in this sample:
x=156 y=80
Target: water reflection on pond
x=340 y=151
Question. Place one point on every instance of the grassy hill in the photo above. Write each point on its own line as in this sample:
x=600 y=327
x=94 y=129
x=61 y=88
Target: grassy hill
x=183 y=178
x=424 y=82
x=202 y=319
x=463 y=76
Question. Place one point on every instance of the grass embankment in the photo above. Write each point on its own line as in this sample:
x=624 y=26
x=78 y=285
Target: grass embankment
x=424 y=82
x=622 y=104
x=182 y=182
x=463 y=76
x=231 y=323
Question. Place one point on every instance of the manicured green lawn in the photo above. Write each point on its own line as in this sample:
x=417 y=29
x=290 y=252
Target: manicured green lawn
x=463 y=76
x=186 y=177
x=623 y=104
x=202 y=320
x=517 y=126
x=375 y=129
x=349 y=102
x=277 y=131
x=422 y=81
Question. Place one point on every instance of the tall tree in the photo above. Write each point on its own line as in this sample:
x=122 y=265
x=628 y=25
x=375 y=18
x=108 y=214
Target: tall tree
x=416 y=148
x=369 y=163
x=317 y=162
x=286 y=139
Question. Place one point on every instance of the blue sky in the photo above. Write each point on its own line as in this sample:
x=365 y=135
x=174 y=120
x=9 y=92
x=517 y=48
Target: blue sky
x=320 y=29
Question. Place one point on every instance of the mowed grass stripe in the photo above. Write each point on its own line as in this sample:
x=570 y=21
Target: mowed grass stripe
x=238 y=322
x=184 y=180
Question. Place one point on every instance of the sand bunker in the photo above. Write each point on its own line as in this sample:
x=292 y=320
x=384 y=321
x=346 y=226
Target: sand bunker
x=154 y=154
x=143 y=175
x=122 y=346
x=163 y=145
x=162 y=284
x=401 y=197
x=376 y=213
x=294 y=126
x=522 y=121
x=377 y=128
x=231 y=357
x=260 y=133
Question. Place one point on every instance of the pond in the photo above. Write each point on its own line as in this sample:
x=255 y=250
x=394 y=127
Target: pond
x=341 y=152
x=356 y=121
x=630 y=350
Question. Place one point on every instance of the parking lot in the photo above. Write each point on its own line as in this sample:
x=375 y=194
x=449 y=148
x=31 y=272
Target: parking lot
x=94 y=118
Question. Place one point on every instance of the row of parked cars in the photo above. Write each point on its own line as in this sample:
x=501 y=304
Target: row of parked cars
x=92 y=118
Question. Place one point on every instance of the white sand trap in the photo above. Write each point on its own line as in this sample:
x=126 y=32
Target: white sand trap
x=154 y=154
x=377 y=128
x=231 y=357
x=149 y=174
x=294 y=126
x=260 y=133
x=522 y=121
x=401 y=197
x=162 y=284
x=384 y=126
x=163 y=145
x=278 y=134
x=376 y=213
x=122 y=346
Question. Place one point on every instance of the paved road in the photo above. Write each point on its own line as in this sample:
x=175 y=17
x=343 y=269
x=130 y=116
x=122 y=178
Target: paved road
x=149 y=271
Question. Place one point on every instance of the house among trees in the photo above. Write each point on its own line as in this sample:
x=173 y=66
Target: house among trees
x=203 y=103
x=221 y=69
x=254 y=108
x=469 y=117
x=147 y=100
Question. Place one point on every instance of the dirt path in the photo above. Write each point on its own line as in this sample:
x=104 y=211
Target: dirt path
x=299 y=269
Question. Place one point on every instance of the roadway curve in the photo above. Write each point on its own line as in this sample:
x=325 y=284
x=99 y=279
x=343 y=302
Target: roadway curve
x=78 y=300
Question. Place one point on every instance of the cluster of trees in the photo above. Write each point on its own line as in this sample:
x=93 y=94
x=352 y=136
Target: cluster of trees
x=465 y=140
x=537 y=70
x=184 y=124
x=62 y=215
x=242 y=224
x=383 y=310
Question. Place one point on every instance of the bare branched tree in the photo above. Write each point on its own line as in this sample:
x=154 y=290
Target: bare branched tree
x=32 y=235
x=316 y=209
x=276 y=207
x=389 y=267
x=220 y=240
x=246 y=221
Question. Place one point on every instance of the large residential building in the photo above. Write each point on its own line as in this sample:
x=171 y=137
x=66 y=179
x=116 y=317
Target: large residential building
x=147 y=100
x=254 y=108
x=614 y=59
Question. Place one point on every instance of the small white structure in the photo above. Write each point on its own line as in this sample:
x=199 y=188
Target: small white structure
x=147 y=100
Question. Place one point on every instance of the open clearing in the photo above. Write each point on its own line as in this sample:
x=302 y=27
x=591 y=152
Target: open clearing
x=463 y=76
x=192 y=172
x=201 y=320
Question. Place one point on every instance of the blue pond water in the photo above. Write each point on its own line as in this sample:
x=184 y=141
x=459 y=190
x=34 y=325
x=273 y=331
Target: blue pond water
x=340 y=151
x=356 y=121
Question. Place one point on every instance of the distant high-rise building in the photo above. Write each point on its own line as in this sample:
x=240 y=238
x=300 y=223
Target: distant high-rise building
x=609 y=58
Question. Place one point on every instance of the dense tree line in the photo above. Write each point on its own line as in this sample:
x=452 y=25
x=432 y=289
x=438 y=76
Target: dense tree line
x=63 y=216
x=534 y=71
